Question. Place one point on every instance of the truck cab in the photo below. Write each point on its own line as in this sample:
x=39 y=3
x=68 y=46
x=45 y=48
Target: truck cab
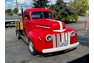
x=44 y=33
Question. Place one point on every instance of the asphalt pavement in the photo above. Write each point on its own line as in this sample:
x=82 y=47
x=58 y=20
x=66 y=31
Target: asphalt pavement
x=7 y=17
x=16 y=51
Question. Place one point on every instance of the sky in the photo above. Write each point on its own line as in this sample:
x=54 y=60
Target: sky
x=10 y=4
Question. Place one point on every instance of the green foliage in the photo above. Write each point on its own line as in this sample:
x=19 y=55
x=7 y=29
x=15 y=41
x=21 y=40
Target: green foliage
x=40 y=3
x=75 y=17
x=15 y=10
x=64 y=18
x=70 y=18
x=70 y=11
x=9 y=12
x=62 y=11
x=79 y=7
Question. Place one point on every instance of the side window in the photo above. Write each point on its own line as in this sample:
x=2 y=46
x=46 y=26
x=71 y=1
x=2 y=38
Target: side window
x=27 y=15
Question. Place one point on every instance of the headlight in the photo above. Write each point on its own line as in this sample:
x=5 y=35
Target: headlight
x=73 y=33
x=48 y=37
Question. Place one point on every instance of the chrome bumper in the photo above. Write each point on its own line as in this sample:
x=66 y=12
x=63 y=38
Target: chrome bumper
x=60 y=48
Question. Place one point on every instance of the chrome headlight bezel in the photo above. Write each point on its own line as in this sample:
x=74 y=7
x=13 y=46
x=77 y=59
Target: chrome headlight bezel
x=73 y=33
x=48 y=37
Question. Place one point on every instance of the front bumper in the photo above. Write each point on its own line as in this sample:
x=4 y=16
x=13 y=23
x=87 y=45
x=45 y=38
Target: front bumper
x=60 y=48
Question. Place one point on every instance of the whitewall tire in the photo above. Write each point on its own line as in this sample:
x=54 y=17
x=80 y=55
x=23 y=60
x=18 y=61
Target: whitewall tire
x=31 y=48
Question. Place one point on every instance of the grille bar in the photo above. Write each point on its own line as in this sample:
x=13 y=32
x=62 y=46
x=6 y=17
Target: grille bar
x=58 y=39
x=54 y=40
x=62 y=37
x=68 y=38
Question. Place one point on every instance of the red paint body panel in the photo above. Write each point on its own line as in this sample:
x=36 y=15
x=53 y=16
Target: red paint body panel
x=43 y=44
x=40 y=28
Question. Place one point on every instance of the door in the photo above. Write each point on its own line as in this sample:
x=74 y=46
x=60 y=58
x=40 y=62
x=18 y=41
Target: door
x=27 y=22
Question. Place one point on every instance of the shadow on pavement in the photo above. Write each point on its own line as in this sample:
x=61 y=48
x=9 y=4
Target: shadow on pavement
x=84 y=59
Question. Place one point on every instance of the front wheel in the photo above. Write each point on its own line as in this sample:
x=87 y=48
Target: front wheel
x=31 y=48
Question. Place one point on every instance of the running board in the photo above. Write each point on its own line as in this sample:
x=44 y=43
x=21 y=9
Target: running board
x=25 y=38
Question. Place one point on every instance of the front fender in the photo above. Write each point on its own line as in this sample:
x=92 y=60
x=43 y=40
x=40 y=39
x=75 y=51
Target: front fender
x=68 y=29
x=74 y=38
x=39 y=45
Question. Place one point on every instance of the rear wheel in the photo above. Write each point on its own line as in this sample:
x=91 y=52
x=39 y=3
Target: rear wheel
x=31 y=48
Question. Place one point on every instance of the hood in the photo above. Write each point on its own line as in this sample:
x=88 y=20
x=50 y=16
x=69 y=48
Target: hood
x=49 y=24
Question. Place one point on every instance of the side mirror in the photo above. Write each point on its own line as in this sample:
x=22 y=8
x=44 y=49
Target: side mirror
x=27 y=18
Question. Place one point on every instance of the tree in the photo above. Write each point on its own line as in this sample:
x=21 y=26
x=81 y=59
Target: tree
x=15 y=10
x=9 y=11
x=79 y=7
x=71 y=10
x=40 y=3
x=61 y=10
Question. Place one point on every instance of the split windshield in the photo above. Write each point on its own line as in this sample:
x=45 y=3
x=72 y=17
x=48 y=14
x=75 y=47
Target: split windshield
x=39 y=15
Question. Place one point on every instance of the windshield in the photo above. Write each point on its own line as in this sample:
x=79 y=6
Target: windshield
x=38 y=15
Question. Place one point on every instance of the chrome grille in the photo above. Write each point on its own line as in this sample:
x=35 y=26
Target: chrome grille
x=62 y=37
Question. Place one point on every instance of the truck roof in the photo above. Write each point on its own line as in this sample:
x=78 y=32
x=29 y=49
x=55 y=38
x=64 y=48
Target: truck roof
x=37 y=9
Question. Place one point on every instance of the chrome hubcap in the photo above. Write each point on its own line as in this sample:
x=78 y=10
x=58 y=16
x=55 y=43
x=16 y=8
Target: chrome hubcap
x=30 y=47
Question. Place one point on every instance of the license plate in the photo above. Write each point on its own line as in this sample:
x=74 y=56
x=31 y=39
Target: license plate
x=63 y=44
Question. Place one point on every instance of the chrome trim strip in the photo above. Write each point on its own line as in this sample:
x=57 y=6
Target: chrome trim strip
x=43 y=26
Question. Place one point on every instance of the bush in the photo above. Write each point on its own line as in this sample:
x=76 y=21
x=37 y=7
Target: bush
x=70 y=18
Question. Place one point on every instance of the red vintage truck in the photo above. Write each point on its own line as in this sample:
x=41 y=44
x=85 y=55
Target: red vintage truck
x=43 y=33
